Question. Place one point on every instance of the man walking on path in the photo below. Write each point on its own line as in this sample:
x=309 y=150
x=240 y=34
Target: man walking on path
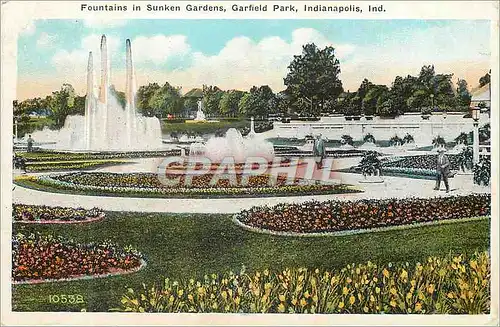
x=319 y=151
x=442 y=169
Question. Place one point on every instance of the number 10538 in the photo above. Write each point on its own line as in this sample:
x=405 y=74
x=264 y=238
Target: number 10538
x=66 y=298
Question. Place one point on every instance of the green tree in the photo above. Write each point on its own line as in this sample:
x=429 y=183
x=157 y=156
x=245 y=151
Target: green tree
x=166 y=100
x=212 y=96
x=229 y=101
x=463 y=93
x=371 y=98
x=260 y=102
x=313 y=77
x=144 y=94
x=61 y=104
x=485 y=79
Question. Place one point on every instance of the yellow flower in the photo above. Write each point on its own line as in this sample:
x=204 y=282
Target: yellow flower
x=237 y=300
x=303 y=302
x=282 y=298
x=317 y=271
x=413 y=283
x=393 y=291
x=421 y=296
x=404 y=274
x=372 y=298
x=345 y=290
x=430 y=288
x=341 y=305
x=358 y=271
x=180 y=292
x=352 y=299
x=281 y=307
x=315 y=298
x=190 y=297
x=224 y=295
x=266 y=272
x=377 y=290
x=385 y=272
x=473 y=264
x=418 y=306
x=375 y=279
x=392 y=303
x=294 y=301
x=408 y=295
x=348 y=280
x=450 y=295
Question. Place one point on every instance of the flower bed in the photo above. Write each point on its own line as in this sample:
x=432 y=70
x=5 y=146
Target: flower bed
x=46 y=155
x=440 y=285
x=332 y=216
x=149 y=184
x=423 y=162
x=44 y=214
x=70 y=165
x=37 y=258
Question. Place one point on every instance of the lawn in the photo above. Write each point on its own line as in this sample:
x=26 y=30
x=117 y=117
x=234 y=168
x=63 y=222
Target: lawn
x=203 y=127
x=187 y=245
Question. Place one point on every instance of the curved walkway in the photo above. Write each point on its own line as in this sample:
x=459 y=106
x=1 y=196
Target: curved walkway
x=392 y=187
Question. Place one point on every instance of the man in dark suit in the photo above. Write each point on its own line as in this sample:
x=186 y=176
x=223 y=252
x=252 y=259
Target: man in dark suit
x=442 y=169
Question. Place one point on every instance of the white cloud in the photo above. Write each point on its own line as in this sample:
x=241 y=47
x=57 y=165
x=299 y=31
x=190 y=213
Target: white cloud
x=159 y=48
x=243 y=63
x=46 y=40
x=73 y=64
x=99 y=23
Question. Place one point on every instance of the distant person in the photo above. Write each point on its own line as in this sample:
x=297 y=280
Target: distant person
x=319 y=151
x=30 y=143
x=442 y=169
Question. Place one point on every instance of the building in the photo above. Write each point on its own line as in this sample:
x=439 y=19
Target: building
x=481 y=97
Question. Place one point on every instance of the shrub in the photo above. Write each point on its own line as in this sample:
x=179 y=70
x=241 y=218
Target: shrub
x=482 y=171
x=395 y=140
x=438 y=141
x=369 y=138
x=408 y=139
x=347 y=139
x=440 y=285
x=332 y=216
x=463 y=138
x=465 y=158
x=370 y=164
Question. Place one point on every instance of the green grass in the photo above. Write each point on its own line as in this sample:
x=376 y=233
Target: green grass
x=189 y=245
x=202 y=128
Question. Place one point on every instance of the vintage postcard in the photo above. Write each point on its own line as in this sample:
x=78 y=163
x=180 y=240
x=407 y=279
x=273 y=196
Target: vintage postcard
x=249 y=163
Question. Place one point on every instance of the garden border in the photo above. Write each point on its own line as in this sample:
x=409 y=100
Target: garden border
x=354 y=231
x=81 y=277
x=48 y=222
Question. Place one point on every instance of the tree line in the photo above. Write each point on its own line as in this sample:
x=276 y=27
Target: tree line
x=313 y=87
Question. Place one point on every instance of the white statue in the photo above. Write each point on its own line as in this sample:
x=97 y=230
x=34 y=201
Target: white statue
x=200 y=116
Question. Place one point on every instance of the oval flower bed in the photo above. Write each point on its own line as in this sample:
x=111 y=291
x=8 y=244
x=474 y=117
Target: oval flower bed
x=149 y=184
x=458 y=284
x=333 y=216
x=23 y=213
x=41 y=166
x=37 y=258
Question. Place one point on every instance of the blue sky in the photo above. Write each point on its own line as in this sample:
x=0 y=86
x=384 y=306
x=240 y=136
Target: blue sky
x=242 y=53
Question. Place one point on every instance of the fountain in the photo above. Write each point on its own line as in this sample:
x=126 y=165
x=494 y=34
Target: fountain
x=235 y=146
x=106 y=125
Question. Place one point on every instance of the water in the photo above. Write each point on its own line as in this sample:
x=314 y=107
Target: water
x=106 y=125
x=235 y=146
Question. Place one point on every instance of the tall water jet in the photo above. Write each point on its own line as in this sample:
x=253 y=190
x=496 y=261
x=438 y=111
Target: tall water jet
x=107 y=125
x=103 y=89
x=131 y=122
x=89 y=102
